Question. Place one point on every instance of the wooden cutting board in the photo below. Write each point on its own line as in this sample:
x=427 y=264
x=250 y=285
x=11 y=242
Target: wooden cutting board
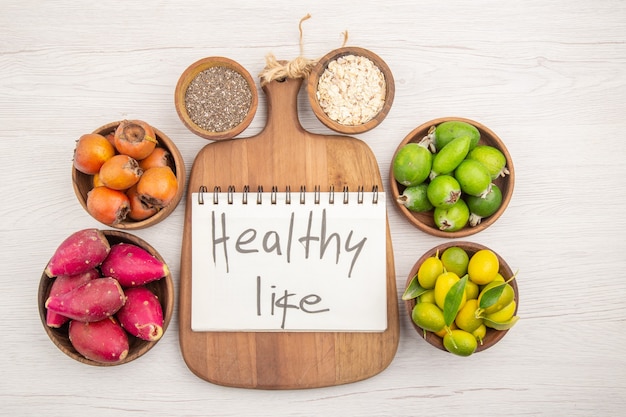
x=284 y=154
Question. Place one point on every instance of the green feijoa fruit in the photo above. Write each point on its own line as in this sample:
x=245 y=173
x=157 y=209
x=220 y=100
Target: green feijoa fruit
x=412 y=164
x=492 y=158
x=443 y=191
x=484 y=207
x=447 y=159
x=452 y=129
x=415 y=198
x=473 y=178
x=460 y=342
x=453 y=218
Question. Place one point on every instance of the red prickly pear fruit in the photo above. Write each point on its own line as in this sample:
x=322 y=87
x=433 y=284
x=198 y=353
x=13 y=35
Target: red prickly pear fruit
x=78 y=253
x=133 y=266
x=102 y=341
x=63 y=284
x=142 y=315
x=92 y=301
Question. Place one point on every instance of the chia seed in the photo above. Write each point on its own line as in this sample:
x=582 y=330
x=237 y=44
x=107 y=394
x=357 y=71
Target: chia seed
x=218 y=99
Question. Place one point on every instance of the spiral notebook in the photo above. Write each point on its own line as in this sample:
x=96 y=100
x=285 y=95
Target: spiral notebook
x=288 y=260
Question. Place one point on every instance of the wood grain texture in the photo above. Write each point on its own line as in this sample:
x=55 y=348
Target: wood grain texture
x=547 y=77
x=285 y=155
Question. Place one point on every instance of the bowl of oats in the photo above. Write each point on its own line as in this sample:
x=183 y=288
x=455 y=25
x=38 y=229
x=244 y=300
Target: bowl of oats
x=351 y=90
x=216 y=98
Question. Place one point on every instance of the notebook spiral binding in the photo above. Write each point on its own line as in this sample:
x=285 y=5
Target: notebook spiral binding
x=273 y=195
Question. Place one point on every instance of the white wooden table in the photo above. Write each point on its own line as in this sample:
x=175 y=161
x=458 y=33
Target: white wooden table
x=548 y=77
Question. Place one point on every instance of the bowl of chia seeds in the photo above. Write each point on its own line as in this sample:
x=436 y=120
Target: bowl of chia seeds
x=216 y=98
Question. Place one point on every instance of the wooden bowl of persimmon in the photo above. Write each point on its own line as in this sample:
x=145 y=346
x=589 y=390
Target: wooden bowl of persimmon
x=162 y=288
x=492 y=336
x=84 y=183
x=425 y=220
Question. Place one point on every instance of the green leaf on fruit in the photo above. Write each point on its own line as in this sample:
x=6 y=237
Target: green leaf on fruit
x=453 y=300
x=491 y=296
x=501 y=325
x=413 y=290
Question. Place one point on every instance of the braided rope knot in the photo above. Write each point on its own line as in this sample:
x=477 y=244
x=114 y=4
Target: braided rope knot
x=300 y=67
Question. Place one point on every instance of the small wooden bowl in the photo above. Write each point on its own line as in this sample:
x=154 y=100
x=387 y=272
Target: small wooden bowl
x=425 y=221
x=83 y=183
x=318 y=70
x=163 y=288
x=190 y=74
x=493 y=336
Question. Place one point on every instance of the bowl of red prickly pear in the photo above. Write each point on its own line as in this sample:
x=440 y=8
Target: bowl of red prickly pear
x=128 y=174
x=452 y=177
x=106 y=297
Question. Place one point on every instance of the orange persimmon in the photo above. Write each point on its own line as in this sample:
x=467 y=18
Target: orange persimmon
x=159 y=157
x=135 y=138
x=111 y=138
x=96 y=180
x=138 y=209
x=108 y=206
x=120 y=172
x=157 y=186
x=92 y=151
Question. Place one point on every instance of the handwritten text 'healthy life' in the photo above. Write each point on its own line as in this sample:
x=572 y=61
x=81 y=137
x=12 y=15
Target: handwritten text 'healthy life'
x=271 y=242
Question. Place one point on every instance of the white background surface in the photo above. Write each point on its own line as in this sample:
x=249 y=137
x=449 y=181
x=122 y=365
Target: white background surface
x=547 y=76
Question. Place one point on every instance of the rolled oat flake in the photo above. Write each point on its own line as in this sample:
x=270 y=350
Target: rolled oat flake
x=218 y=99
x=351 y=90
